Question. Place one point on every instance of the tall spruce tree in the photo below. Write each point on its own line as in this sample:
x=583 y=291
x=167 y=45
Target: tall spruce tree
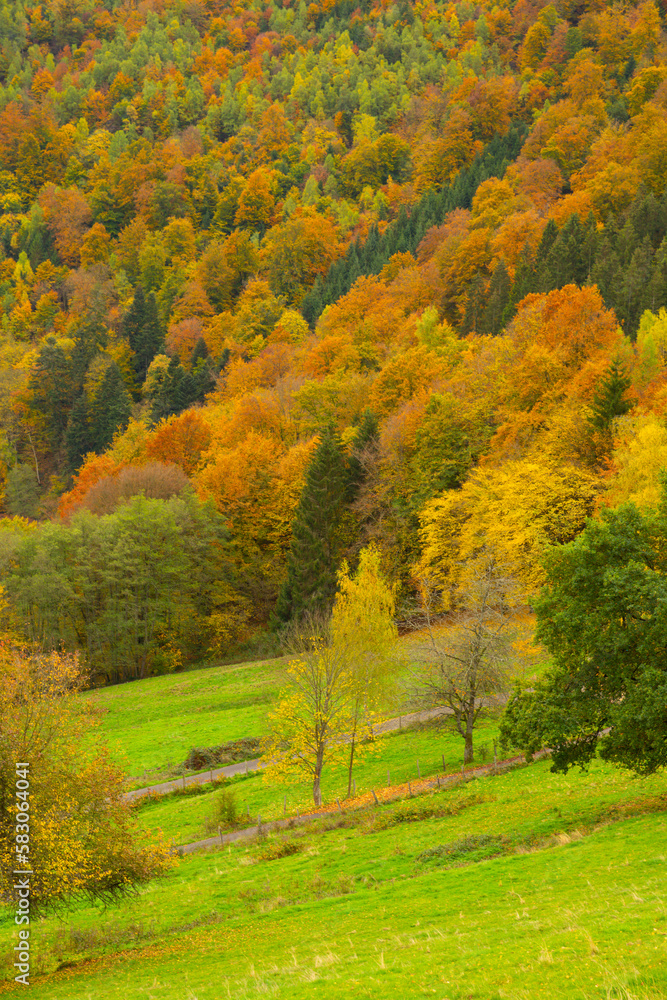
x=143 y=330
x=366 y=441
x=317 y=539
x=110 y=410
x=499 y=297
x=609 y=400
x=78 y=437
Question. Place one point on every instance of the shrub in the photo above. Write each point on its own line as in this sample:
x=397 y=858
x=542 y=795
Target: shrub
x=233 y=752
x=225 y=812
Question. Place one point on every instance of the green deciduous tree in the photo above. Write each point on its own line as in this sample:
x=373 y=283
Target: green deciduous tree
x=603 y=617
x=134 y=590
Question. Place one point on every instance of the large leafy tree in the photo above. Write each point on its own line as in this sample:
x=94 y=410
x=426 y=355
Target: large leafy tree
x=603 y=617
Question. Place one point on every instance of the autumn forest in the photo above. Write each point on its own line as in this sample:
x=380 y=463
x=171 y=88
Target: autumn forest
x=279 y=280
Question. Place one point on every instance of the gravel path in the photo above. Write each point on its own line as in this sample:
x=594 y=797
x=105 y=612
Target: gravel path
x=165 y=787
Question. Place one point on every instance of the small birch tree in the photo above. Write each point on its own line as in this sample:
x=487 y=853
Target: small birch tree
x=338 y=683
x=310 y=724
x=363 y=629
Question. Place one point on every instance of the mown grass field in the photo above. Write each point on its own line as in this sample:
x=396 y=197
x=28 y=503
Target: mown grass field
x=152 y=724
x=525 y=885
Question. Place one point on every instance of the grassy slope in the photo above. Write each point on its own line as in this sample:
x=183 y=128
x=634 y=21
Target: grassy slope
x=182 y=817
x=568 y=906
x=152 y=724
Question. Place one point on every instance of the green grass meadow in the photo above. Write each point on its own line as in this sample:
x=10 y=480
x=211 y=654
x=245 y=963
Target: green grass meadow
x=520 y=886
x=393 y=759
x=524 y=885
x=151 y=724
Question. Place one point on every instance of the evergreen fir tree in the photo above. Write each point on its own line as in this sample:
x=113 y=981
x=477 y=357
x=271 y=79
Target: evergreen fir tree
x=565 y=264
x=367 y=439
x=549 y=237
x=626 y=243
x=634 y=289
x=78 y=438
x=499 y=297
x=609 y=399
x=149 y=339
x=142 y=328
x=475 y=303
x=51 y=389
x=135 y=317
x=605 y=272
x=200 y=352
x=648 y=217
x=590 y=244
x=110 y=410
x=316 y=547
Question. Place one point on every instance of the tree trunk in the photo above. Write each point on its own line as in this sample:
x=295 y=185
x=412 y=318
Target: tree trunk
x=349 y=771
x=319 y=763
x=468 y=753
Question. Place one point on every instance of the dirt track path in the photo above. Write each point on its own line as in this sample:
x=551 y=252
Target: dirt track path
x=165 y=787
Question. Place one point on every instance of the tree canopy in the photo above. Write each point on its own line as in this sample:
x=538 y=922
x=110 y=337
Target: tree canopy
x=603 y=617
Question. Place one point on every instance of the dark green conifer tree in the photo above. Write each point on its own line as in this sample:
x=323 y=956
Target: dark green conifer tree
x=565 y=263
x=499 y=296
x=633 y=298
x=51 y=389
x=317 y=542
x=609 y=400
x=110 y=411
x=78 y=437
x=475 y=305
x=143 y=330
x=200 y=352
x=366 y=440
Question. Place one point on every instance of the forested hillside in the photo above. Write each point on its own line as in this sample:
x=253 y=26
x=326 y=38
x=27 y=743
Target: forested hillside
x=278 y=280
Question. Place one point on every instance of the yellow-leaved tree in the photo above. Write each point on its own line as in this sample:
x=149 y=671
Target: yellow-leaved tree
x=363 y=627
x=637 y=461
x=338 y=682
x=514 y=512
x=66 y=814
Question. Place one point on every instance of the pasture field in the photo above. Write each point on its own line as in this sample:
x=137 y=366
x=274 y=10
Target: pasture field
x=395 y=758
x=151 y=724
x=525 y=885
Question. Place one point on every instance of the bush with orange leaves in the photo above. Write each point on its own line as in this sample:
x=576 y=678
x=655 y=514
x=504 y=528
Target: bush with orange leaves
x=83 y=842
